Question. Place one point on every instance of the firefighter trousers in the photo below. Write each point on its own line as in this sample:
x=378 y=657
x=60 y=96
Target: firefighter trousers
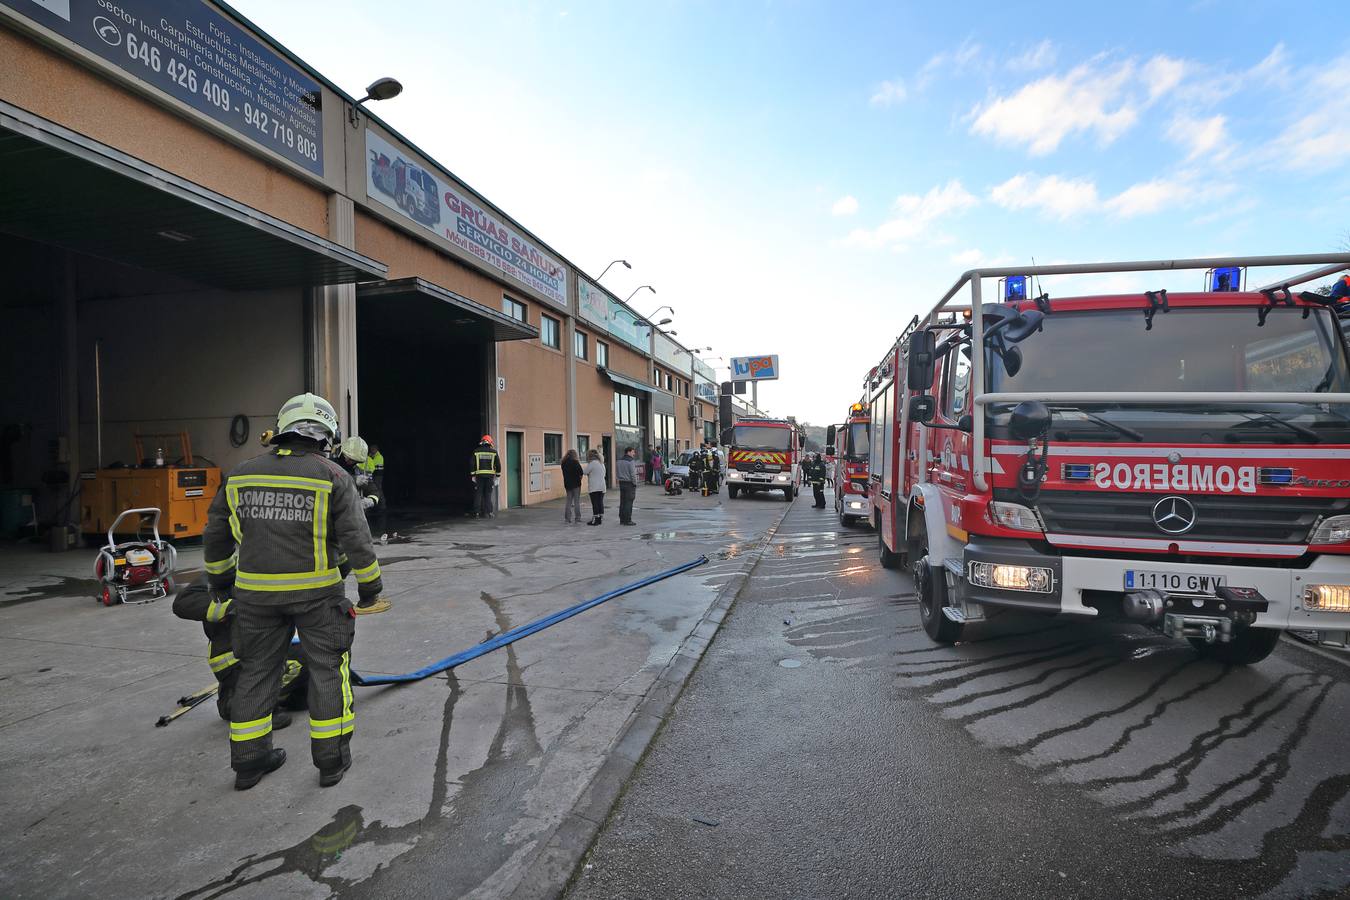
x=262 y=636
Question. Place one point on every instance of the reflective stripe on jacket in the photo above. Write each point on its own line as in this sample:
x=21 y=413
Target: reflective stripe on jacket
x=289 y=517
x=486 y=462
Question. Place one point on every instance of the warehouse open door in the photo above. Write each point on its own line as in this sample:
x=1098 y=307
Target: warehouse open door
x=424 y=358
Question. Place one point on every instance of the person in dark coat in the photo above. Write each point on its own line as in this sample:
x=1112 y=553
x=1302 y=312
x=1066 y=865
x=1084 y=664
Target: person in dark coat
x=571 y=473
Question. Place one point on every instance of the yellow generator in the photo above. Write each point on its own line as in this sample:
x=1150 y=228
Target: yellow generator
x=182 y=490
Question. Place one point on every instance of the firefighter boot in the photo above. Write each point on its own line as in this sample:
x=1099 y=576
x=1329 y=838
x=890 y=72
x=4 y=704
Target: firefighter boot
x=330 y=777
x=247 y=778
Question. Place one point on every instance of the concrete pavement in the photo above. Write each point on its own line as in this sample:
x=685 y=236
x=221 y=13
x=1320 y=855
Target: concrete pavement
x=487 y=782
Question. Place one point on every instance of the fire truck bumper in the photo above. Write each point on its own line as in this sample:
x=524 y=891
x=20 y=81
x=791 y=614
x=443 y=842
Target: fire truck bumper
x=859 y=505
x=1013 y=573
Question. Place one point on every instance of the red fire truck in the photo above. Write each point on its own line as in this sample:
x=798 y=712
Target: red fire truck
x=764 y=455
x=1181 y=461
x=849 y=445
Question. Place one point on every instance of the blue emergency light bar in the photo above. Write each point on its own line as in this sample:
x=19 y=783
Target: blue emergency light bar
x=1275 y=476
x=1076 y=471
x=1014 y=289
x=1226 y=279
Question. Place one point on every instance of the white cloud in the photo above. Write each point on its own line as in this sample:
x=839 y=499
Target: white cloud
x=1319 y=139
x=968 y=55
x=1200 y=137
x=1161 y=74
x=846 y=205
x=1096 y=98
x=976 y=257
x=1042 y=56
x=1150 y=197
x=1061 y=197
x=914 y=215
x=1273 y=69
x=1044 y=112
x=889 y=93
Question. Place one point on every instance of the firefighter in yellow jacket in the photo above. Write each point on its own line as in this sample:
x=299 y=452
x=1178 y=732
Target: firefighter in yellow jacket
x=487 y=468
x=277 y=530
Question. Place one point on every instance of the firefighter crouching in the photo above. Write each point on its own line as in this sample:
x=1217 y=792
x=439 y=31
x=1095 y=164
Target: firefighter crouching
x=195 y=604
x=276 y=532
x=487 y=466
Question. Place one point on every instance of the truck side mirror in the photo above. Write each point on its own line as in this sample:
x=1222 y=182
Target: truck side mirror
x=829 y=435
x=921 y=408
x=829 y=450
x=922 y=357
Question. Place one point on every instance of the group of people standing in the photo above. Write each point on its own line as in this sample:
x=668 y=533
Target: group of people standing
x=625 y=472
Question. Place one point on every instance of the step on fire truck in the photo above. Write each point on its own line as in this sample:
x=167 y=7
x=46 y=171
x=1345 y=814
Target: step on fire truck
x=849 y=445
x=763 y=455
x=1180 y=461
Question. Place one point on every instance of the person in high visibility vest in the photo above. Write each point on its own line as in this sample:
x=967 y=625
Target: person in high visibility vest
x=487 y=468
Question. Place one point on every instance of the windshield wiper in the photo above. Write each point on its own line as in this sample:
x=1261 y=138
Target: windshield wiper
x=1117 y=428
x=1268 y=418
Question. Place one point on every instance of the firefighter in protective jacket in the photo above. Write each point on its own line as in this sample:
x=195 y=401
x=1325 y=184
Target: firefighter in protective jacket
x=487 y=467
x=277 y=532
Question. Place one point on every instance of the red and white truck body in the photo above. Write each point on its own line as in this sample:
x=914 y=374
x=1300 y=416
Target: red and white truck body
x=1181 y=461
x=763 y=455
x=851 y=443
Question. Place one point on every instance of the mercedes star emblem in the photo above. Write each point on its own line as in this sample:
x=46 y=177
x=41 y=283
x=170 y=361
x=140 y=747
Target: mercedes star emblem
x=1174 y=515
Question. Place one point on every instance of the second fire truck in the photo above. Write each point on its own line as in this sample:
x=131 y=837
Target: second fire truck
x=850 y=445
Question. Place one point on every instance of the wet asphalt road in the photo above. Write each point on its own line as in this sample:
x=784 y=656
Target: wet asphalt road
x=1039 y=759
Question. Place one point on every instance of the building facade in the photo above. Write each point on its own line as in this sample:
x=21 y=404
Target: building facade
x=202 y=226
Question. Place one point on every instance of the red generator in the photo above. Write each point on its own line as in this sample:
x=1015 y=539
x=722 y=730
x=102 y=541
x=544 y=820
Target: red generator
x=141 y=568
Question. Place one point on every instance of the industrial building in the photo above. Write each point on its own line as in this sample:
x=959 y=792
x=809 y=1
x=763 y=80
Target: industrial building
x=197 y=225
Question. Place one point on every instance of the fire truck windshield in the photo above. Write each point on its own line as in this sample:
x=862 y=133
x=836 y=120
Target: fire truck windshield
x=1188 y=349
x=858 y=444
x=762 y=437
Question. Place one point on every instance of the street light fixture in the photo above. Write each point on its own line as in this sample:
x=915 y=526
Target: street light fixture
x=379 y=89
x=625 y=262
x=651 y=289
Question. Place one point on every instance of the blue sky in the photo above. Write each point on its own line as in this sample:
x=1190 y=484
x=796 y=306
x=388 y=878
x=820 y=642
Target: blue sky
x=801 y=178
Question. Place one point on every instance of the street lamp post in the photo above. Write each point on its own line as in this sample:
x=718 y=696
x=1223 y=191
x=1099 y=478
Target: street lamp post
x=379 y=89
x=640 y=287
x=626 y=265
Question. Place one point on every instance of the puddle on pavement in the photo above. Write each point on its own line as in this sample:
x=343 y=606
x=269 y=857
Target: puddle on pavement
x=790 y=663
x=65 y=587
x=672 y=535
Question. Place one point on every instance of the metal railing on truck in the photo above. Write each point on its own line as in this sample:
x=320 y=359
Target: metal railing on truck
x=1325 y=263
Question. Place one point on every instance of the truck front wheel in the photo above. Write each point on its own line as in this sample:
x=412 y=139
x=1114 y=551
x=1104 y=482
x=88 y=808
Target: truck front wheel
x=787 y=494
x=732 y=491
x=930 y=582
x=889 y=558
x=1248 y=646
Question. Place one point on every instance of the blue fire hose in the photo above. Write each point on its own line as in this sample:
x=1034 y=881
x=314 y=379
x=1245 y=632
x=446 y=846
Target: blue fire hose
x=515 y=634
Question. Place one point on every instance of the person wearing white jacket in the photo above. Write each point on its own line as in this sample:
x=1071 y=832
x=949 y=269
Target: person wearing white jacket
x=595 y=486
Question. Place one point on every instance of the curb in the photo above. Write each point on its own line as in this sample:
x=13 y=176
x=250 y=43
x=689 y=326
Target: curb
x=551 y=870
x=1334 y=656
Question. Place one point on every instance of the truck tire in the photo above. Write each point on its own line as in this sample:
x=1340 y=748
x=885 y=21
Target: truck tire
x=1248 y=646
x=732 y=491
x=788 y=494
x=889 y=558
x=931 y=585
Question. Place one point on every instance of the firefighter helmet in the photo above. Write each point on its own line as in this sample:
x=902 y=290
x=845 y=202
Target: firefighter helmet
x=310 y=416
x=354 y=450
x=487 y=439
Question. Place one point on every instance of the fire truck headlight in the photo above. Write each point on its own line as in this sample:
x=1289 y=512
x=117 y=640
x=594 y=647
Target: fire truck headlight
x=1335 y=530
x=1036 y=579
x=1014 y=516
x=733 y=475
x=1327 y=597
x=782 y=476
x=856 y=504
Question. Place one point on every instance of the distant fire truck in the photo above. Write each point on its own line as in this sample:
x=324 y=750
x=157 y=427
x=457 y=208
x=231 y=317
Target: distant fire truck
x=763 y=455
x=1181 y=461
x=849 y=444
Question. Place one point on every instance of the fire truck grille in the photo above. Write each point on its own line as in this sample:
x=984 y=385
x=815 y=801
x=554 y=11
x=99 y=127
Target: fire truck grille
x=1263 y=520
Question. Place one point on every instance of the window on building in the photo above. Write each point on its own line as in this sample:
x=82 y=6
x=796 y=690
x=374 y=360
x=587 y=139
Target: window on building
x=579 y=345
x=602 y=354
x=549 y=332
x=626 y=410
x=583 y=445
x=656 y=376
x=513 y=308
x=552 y=449
x=668 y=382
